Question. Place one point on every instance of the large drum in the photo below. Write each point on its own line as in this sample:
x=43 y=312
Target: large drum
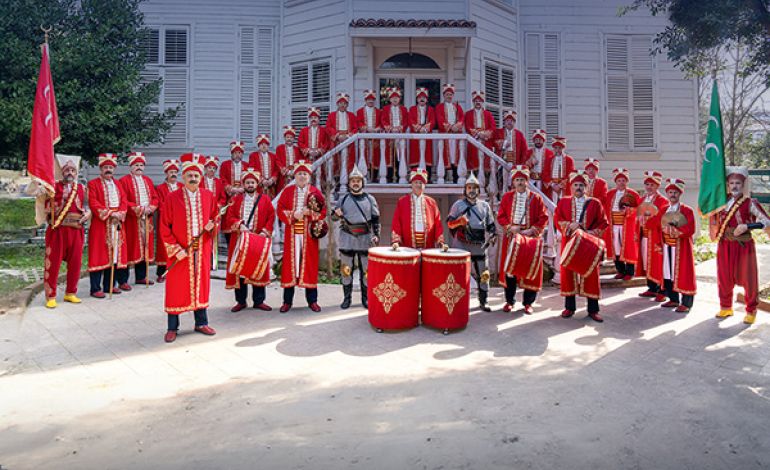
x=445 y=286
x=393 y=288
x=250 y=258
x=582 y=253
x=525 y=256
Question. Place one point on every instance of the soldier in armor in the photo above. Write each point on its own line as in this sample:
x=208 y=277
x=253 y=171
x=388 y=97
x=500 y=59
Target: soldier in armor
x=472 y=225
x=360 y=229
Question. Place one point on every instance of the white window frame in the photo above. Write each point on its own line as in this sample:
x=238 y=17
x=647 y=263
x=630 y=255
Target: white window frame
x=636 y=68
x=298 y=108
x=543 y=71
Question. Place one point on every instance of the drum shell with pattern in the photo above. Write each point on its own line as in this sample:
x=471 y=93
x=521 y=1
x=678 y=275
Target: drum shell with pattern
x=251 y=256
x=445 y=287
x=582 y=253
x=526 y=256
x=393 y=279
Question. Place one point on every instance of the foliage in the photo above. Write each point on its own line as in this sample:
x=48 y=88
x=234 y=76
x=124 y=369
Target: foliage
x=699 y=27
x=16 y=213
x=703 y=249
x=757 y=153
x=96 y=61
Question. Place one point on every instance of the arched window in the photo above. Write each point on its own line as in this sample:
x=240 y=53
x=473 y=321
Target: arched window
x=406 y=60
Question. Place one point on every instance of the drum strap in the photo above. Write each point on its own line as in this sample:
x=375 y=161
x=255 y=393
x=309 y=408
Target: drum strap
x=253 y=208
x=583 y=213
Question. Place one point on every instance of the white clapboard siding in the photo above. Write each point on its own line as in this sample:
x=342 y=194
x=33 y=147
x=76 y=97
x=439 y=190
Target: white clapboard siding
x=408 y=9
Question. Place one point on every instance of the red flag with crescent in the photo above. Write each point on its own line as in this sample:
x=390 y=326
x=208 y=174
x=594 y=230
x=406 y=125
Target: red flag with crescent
x=45 y=128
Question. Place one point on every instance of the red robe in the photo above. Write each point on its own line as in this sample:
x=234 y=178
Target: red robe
x=64 y=243
x=684 y=261
x=333 y=131
x=227 y=173
x=403 y=229
x=530 y=162
x=217 y=187
x=285 y=163
x=187 y=281
x=567 y=167
x=487 y=124
x=443 y=124
x=536 y=216
x=262 y=223
x=98 y=241
x=386 y=121
x=270 y=170
x=736 y=259
x=308 y=269
x=630 y=250
x=322 y=142
x=163 y=190
x=597 y=188
x=594 y=219
x=415 y=127
x=372 y=151
x=520 y=148
x=135 y=236
x=650 y=229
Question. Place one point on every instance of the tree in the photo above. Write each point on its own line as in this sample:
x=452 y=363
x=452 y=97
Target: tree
x=96 y=61
x=698 y=27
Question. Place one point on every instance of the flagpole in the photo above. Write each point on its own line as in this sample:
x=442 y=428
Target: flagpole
x=52 y=195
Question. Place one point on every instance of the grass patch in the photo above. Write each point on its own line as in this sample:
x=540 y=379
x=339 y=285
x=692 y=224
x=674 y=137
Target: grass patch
x=26 y=259
x=16 y=213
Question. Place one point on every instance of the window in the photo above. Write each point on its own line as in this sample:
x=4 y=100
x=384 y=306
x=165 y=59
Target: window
x=310 y=86
x=406 y=60
x=499 y=85
x=630 y=103
x=167 y=52
x=255 y=115
x=542 y=64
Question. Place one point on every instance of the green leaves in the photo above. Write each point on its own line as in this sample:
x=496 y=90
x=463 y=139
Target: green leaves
x=96 y=62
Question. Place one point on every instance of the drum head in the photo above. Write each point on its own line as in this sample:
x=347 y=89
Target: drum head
x=388 y=252
x=450 y=253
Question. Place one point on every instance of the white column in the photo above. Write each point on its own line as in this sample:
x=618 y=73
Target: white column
x=383 y=165
x=344 y=169
x=401 y=161
x=422 y=154
x=362 y=166
x=492 y=177
x=462 y=168
x=440 y=169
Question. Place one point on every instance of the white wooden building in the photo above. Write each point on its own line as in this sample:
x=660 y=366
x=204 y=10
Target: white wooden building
x=244 y=67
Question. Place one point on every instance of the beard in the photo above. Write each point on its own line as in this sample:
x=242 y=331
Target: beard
x=250 y=190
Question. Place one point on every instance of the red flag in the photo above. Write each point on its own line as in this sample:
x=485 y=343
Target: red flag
x=45 y=128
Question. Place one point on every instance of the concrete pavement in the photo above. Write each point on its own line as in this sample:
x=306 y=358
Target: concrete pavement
x=94 y=386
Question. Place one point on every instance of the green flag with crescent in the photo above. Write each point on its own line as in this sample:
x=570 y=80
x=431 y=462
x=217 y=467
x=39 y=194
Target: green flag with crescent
x=712 y=194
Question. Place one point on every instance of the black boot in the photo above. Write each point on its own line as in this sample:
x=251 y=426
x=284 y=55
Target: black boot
x=364 y=297
x=483 y=300
x=347 y=290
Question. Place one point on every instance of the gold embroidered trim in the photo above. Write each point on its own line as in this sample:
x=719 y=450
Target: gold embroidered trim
x=389 y=293
x=449 y=293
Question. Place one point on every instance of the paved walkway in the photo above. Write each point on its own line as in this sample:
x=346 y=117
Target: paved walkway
x=94 y=387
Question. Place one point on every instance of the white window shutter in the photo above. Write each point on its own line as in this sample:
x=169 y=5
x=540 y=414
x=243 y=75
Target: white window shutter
x=551 y=103
x=265 y=47
x=299 y=84
x=321 y=82
x=247 y=45
x=175 y=47
x=175 y=92
x=534 y=102
x=542 y=82
x=507 y=88
x=247 y=101
x=265 y=101
x=532 y=51
x=151 y=45
x=550 y=52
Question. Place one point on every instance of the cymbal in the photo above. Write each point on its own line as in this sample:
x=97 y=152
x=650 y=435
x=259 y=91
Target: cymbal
x=647 y=209
x=674 y=219
x=627 y=200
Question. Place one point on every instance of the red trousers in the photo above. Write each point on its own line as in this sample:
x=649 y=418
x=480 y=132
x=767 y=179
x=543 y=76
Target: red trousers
x=737 y=265
x=63 y=244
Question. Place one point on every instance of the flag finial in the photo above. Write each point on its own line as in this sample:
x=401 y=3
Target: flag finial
x=46 y=31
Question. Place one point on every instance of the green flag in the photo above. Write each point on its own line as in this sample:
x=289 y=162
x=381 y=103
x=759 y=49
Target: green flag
x=712 y=194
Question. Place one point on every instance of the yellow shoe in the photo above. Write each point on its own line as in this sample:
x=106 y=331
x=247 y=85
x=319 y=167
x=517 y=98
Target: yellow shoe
x=749 y=318
x=724 y=313
x=51 y=303
x=72 y=298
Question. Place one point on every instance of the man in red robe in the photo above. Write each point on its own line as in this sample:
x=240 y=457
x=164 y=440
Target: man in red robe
x=313 y=139
x=212 y=183
x=537 y=156
x=557 y=170
x=368 y=120
x=106 y=239
x=422 y=120
x=299 y=207
x=510 y=142
x=340 y=125
x=169 y=185
x=187 y=223
x=231 y=170
x=417 y=219
x=64 y=235
x=480 y=124
x=449 y=120
x=597 y=186
x=142 y=202
x=736 y=253
x=521 y=211
x=650 y=246
x=678 y=263
x=253 y=212
x=286 y=155
x=580 y=212
x=621 y=239
x=264 y=162
x=395 y=119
